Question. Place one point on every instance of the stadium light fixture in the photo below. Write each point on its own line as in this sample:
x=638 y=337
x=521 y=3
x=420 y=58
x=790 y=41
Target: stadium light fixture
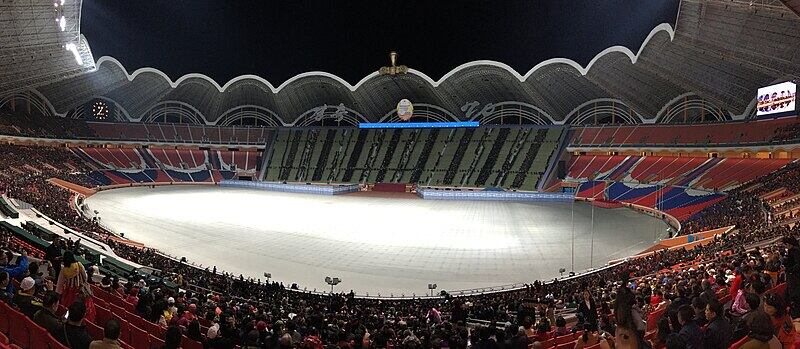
x=332 y=281
x=432 y=287
x=62 y=23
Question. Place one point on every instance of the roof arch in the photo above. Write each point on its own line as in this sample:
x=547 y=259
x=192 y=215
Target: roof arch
x=666 y=27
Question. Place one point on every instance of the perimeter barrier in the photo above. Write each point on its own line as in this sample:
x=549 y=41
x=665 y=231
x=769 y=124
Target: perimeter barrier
x=293 y=188
x=7 y=210
x=492 y=195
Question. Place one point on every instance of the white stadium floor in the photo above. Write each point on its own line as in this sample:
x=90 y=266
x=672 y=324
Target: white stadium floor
x=375 y=245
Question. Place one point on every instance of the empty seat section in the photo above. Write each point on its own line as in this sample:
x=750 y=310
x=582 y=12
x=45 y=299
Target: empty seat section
x=169 y=132
x=98 y=157
x=197 y=133
x=200 y=176
x=179 y=176
x=161 y=156
x=198 y=157
x=183 y=132
x=185 y=157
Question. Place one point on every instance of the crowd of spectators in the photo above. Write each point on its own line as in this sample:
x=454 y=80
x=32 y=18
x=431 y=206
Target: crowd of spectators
x=788 y=132
x=608 y=306
x=30 y=123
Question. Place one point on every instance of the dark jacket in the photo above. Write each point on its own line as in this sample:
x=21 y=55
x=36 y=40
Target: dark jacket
x=589 y=312
x=792 y=264
x=692 y=334
x=76 y=337
x=718 y=334
x=51 y=322
x=26 y=304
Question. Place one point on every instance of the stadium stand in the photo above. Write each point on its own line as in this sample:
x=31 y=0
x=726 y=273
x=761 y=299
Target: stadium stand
x=731 y=133
x=722 y=253
x=713 y=174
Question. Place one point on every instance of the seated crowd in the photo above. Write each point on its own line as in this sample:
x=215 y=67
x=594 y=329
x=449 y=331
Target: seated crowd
x=710 y=296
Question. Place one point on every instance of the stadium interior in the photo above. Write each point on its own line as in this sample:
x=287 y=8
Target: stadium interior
x=677 y=130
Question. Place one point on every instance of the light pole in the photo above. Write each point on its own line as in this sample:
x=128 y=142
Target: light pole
x=268 y=276
x=432 y=287
x=572 y=209
x=332 y=281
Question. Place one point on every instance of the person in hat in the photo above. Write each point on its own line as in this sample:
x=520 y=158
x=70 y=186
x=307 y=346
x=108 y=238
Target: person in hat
x=24 y=298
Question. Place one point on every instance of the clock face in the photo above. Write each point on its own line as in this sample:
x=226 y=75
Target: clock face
x=100 y=110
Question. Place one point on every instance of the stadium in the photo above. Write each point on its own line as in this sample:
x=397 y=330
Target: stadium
x=642 y=197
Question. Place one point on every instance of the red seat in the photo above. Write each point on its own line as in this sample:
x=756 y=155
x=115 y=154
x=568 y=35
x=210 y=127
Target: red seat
x=116 y=309
x=188 y=343
x=568 y=345
x=95 y=331
x=139 y=338
x=739 y=343
x=564 y=339
x=103 y=315
x=129 y=307
x=124 y=328
x=100 y=301
x=779 y=290
x=156 y=343
x=4 y=339
x=5 y=318
x=38 y=335
x=153 y=329
x=549 y=343
x=19 y=331
x=596 y=346
x=54 y=344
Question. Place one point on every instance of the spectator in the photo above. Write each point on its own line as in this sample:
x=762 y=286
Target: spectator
x=6 y=288
x=761 y=333
x=676 y=341
x=72 y=279
x=110 y=336
x=24 y=298
x=76 y=336
x=52 y=254
x=47 y=318
x=792 y=265
x=783 y=328
x=754 y=304
x=699 y=307
x=588 y=310
x=664 y=332
x=193 y=331
x=172 y=339
x=561 y=327
x=14 y=272
x=689 y=329
x=718 y=334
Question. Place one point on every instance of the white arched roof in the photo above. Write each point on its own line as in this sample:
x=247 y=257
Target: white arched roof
x=665 y=27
